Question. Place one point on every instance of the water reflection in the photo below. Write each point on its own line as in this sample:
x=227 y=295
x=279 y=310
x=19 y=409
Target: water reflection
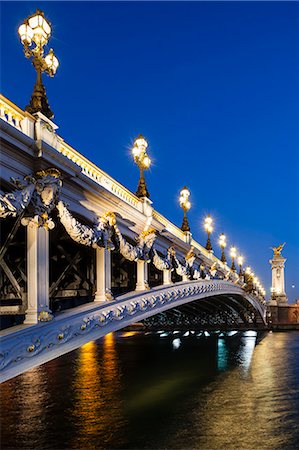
x=138 y=392
x=257 y=411
x=222 y=355
x=98 y=407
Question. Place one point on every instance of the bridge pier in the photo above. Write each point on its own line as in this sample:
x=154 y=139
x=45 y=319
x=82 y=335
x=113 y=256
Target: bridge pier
x=103 y=275
x=37 y=275
x=142 y=276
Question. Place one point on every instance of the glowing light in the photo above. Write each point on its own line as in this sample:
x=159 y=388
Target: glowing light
x=185 y=193
x=52 y=62
x=233 y=252
x=176 y=343
x=208 y=224
x=141 y=143
x=164 y=335
x=40 y=27
x=26 y=33
x=146 y=162
x=222 y=240
x=240 y=260
x=184 y=199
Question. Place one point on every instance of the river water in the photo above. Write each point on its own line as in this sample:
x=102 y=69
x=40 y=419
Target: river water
x=135 y=391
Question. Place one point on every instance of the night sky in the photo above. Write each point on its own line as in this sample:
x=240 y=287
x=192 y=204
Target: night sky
x=214 y=87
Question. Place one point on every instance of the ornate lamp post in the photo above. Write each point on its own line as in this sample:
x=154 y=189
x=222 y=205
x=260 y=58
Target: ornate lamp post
x=36 y=30
x=209 y=229
x=143 y=162
x=222 y=243
x=233 y=254
x=240 y=263
x=185 y=205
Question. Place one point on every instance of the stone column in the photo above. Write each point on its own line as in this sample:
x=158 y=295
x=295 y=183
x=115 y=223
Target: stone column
x=167 y=277
x=103 y=275
x=37 y=275
x=142 y=276
x=278 y=284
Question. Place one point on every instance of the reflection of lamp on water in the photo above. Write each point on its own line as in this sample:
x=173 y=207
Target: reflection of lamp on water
x=246 y=351
x=222 y=355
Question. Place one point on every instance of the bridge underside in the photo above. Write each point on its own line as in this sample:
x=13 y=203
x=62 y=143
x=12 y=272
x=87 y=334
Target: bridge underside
x=221 y=312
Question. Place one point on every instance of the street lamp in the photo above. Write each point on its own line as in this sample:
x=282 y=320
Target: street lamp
x=233 y=254
x=143 y=162
x=185 y=205
x=240 y=263
x=36 y=30
x=222 y=243
x=209 y=229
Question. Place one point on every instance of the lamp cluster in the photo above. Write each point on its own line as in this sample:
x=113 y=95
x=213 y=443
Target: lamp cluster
x=143 y=161
x=35 y=33
x=185 y=205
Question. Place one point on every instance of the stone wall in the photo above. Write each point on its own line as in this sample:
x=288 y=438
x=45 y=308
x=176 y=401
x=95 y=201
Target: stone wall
x=285 y=316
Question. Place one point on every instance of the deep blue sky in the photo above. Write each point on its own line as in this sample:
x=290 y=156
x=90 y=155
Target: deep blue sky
x=214 y=87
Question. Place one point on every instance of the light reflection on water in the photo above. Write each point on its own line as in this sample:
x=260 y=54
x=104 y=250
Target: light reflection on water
x=143 y=392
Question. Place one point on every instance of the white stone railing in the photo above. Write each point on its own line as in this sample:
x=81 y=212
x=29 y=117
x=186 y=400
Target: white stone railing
x=11 y=113
x=99 y=176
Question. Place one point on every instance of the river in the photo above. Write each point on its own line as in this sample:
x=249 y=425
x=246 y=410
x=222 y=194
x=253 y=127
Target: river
x=157 y=391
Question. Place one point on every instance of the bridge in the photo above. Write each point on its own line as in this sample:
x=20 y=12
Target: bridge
x=82 y=256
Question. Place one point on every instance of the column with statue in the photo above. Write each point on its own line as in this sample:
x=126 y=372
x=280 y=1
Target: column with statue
x=278 y=294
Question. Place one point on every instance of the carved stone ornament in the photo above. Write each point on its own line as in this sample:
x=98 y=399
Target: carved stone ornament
x=35 y=197
x=162 y=263
x=141 y=251
x=98 y=236
x=45 y=316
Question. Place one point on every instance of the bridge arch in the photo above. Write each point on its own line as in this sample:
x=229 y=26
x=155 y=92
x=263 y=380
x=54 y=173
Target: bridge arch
x=71 y=329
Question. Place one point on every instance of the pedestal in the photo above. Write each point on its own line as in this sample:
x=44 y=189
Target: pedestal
x=37 y=275
x=142 y=276
x=103 y=275
x=278 y=283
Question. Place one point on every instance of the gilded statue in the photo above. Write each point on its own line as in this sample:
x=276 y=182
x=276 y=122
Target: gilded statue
x=277 y=250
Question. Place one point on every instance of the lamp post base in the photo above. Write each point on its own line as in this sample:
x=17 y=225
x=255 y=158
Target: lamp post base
x=39 y=102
